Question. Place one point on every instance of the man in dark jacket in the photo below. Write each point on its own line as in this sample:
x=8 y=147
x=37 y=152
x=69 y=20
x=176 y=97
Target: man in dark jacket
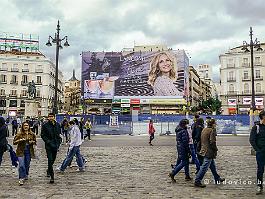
x=182 y=138
x=14 y=126
x=257 y=140
x=209 y=152
x=50 y=133
x=3 y=140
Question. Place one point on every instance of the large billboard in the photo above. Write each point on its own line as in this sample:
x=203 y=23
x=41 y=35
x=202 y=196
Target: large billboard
x=19 y=41
x=162 y=74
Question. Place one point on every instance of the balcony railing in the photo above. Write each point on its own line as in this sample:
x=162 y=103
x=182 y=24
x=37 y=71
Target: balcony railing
x=245 y=64
x=259 y=78
x=3 y=82
x=23 y=83
x=231 y=79
x=257 y=63
x=12 y=95
x=14 y=82
x=23 y=96
x=3 y=69
x=25 y=70
x=14 y=70
x=259 y=92
x=232 y=92
x=230 y=65
x=38 y=83
x=246 y=92
x=246 y=79
x=39 y=71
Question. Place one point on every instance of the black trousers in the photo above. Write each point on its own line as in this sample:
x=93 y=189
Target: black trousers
x=14 y=130
x=51 y=155
x=260 y=157
x=152 y=136
x=87 y=134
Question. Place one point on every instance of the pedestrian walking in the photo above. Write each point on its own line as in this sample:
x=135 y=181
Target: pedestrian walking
x=35 y=126
x=257 y=141
x=50 y=133
x=88 y=127
x=196 y=136
x=81 y=127
x=3 y=140
x=151 y=131
x=65 y=127
x=25 y=140
x=182 y=138
x=209 y=152
x=74 y=148
x=14 y=126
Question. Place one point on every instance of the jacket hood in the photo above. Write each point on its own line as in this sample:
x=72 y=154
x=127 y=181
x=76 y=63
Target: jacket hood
x=178 y=129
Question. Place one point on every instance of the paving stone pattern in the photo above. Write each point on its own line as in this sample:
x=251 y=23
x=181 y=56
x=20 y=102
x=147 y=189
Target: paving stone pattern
x=131 y=172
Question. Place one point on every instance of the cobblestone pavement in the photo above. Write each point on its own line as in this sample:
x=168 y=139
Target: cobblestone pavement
x=131 y=172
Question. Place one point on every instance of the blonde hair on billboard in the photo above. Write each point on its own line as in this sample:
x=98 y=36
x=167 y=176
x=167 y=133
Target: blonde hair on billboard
x=155 y=71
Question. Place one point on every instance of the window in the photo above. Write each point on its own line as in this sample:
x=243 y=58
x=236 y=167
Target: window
x=24 y=93
x=258 y=87
x=231 y=75
x=13 y=79
x=14 y=68
x=245 y=75
x=2 y=92
x=3 y=78
x=38 y=93
x=4 y=67
x=39 y=69
x=257 y=61
x=245 y=60
x=230 y=61
x=25 y=79
x=25 y=68
x=12 y=103
x=206 y=74
x=257 y=73
x=246 y=88
x=13 y=92
x=231 y=88
x=38 y=79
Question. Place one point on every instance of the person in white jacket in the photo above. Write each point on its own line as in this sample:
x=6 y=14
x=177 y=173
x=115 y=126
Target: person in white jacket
x=74 y=148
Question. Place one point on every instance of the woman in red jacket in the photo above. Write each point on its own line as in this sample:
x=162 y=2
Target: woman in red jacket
x=151 y=131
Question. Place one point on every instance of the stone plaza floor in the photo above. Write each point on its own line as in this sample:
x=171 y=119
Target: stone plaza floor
x=131 y=172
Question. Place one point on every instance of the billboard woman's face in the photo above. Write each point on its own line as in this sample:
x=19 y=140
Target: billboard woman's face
x=164 y=64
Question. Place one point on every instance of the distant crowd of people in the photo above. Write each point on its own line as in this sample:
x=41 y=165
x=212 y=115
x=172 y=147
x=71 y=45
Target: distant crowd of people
x=52 y=133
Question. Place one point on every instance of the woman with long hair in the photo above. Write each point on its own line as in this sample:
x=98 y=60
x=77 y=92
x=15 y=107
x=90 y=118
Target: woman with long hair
x=162 y=75
x=24 y=140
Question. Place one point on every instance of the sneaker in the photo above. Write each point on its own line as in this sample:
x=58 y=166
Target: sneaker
x=199 y=184
x=172 y=177
x=26 y=178
x=188 y=178
x=20 y=182
x=59 y=170
x=259 y=190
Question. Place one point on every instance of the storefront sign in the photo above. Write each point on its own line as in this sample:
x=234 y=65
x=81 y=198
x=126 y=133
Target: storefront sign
x=135 y=101
x=125 y=101
x=246 y=100
x=231 y=102
x=259 y=101
x=125 y=105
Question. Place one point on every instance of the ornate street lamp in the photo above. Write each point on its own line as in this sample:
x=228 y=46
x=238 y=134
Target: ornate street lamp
x=57 y=40
x=252 y=44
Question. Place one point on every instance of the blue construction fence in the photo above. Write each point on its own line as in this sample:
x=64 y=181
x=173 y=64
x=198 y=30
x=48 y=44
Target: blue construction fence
x=128 y=124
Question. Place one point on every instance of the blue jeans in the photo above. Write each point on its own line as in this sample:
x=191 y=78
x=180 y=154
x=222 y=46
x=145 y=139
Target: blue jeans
x=179 y=165
x=24 y=164
x=203 y=169
x=1 y=156
x=260 y=158
x=75 y=151
x=194 y=157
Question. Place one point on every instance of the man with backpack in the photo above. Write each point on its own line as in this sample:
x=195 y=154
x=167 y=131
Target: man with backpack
x=257 y=141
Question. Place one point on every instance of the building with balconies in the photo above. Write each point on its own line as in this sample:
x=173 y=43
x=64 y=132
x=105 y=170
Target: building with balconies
x=17 y=69
x=235 y=80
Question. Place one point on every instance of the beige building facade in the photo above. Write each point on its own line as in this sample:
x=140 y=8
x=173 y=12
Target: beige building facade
x=17 y=69
x=236 y=84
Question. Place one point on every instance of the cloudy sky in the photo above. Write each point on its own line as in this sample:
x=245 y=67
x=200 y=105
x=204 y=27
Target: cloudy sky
x=203 y=28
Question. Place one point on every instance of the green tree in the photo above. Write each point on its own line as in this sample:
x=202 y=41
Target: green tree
x=212 y=105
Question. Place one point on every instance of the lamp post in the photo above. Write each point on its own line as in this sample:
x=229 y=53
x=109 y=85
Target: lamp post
x=57 y=40
x=252 y=44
